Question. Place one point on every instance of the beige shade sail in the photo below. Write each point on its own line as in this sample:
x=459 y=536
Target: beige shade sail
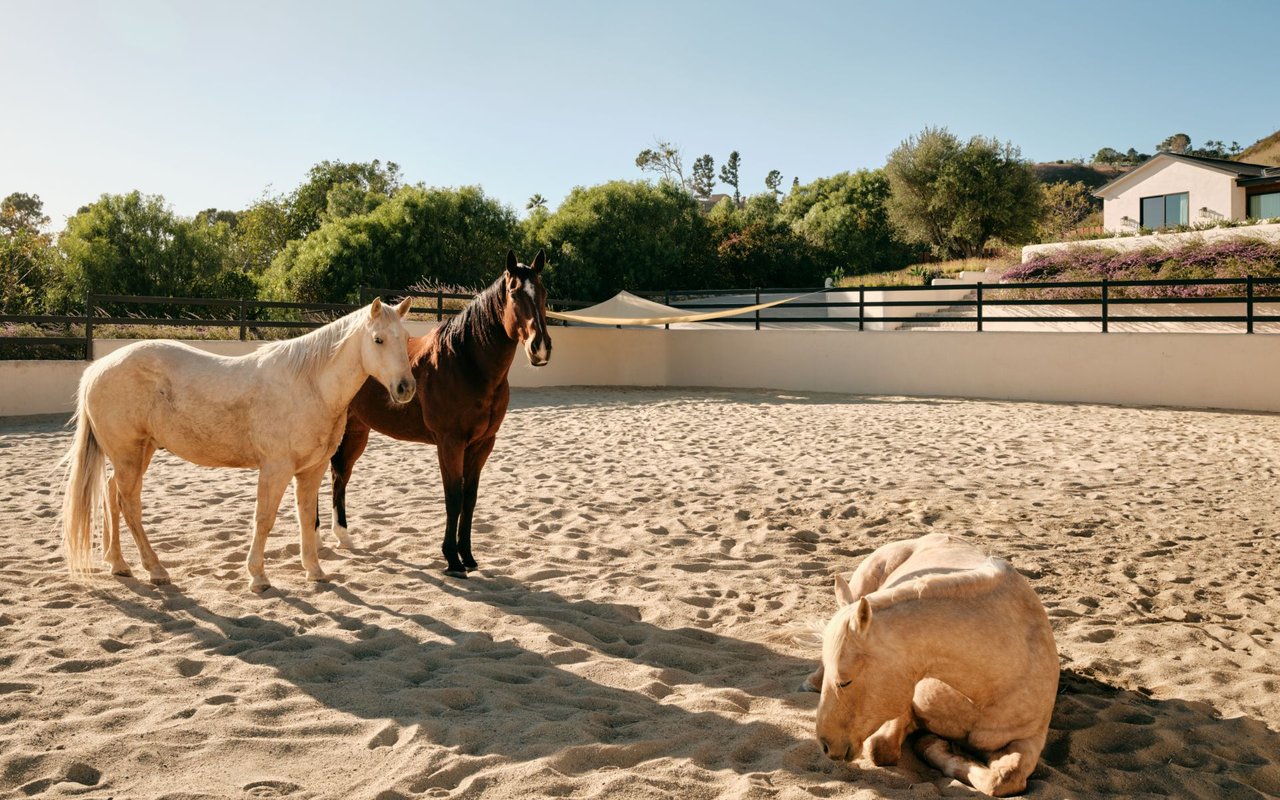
x=625 y=308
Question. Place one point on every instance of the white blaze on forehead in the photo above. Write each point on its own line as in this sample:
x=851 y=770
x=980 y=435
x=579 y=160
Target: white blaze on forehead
x=532 y=291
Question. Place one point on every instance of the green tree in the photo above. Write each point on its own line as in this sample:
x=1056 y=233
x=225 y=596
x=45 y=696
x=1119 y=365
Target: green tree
x=754 y=246
x=703 y=180
x=773 y=182
x=22 y=212
x=261 y=232
x=626 y=235
x=27 y=256
x=536 y=201
x=1066 y=207
x=448 y=236
x=664 y=160
x=957 y=197
x=362 y=184
x=729 y=174
x=1108 y=155
x=844 y=219
x=1177 y=143
x=134 y=244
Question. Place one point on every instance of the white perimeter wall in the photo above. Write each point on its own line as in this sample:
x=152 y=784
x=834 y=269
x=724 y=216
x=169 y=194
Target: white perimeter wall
x=1194 y=370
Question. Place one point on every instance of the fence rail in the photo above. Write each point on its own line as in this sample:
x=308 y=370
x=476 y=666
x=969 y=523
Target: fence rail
x=249 y=316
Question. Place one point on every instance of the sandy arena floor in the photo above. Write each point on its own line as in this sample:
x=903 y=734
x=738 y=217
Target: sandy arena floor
x=646 y=556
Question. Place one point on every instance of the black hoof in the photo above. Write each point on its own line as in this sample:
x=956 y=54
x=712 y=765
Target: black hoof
x=456 y=573
x=471 y=566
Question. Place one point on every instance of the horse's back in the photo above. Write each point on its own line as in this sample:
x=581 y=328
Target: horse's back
x=981 y=591
x=199 y=405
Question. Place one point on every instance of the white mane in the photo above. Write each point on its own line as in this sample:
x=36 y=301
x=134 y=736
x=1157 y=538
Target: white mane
x=305 y=355
x=950 y=585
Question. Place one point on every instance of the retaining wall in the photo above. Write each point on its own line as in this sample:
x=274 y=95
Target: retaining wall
x=1192 y=370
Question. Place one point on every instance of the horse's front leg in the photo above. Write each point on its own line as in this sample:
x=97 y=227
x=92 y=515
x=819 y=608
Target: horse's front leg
x=307 y=497
x=272 y=480
x=450 y=454
x=343 y=461
x=884 y=747
x=476 y=456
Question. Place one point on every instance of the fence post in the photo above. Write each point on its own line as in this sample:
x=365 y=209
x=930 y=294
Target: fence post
x=979 y=295
x=1248 y=305
x=861 y=314
x=88 y=327
x=439 y=304
x=244 y=325
x=757 y=310
x=1104 y=305
x=666 y=300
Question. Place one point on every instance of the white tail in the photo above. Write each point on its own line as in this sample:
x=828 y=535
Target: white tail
x=86 y=475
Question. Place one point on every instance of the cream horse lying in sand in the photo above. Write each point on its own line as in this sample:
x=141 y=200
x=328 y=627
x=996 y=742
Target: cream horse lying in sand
x=281 y=409
x=933 y=635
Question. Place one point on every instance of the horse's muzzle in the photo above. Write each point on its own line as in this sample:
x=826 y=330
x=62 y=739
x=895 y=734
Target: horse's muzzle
x=539 y=353
x=403 y=391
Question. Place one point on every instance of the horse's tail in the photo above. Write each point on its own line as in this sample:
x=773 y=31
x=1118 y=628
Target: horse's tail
x=86 y=475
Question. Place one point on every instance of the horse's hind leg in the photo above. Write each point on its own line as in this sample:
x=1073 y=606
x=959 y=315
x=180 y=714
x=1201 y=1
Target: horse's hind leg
x=473 y=462
x=128 y=481
x=343 y=463
x=306 y=493
x=111 y=529
x=1006 y=773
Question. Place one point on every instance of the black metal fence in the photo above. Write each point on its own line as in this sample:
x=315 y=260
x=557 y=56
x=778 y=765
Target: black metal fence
x=1106 y=294
x=71 y=336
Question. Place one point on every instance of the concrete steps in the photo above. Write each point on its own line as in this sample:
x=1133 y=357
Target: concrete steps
x=955 y=318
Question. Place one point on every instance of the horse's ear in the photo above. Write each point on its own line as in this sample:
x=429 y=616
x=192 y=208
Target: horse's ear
x=862 y=617
x=403 y=308
x=511 y=260
x=375 y=308
x=844 y=595
x=539 y=261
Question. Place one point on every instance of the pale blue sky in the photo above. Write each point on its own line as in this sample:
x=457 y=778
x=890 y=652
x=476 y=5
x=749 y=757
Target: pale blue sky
x=209 y=104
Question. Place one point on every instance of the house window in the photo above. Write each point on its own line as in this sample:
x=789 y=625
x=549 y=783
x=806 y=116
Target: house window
x=1264 y=206
x=1165 y=210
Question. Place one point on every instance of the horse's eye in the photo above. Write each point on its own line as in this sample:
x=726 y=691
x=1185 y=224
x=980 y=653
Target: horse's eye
x=844 y=685
x=377 y=340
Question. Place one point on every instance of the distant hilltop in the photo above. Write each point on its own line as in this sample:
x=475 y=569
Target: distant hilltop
x=1091 y=175
x=1264 y=151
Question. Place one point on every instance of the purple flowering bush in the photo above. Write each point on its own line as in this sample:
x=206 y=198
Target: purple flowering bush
x=1196 y=260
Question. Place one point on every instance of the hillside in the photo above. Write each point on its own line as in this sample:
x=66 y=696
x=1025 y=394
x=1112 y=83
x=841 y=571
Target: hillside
x=1093 y=175
x=1264 y=151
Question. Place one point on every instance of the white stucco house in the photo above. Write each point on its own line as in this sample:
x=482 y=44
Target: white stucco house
x=1171 y=189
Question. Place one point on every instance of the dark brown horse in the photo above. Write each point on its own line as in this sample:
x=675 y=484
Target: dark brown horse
x=461 y=368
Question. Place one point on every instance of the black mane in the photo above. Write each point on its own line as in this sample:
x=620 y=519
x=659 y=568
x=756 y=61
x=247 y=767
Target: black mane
x=480 y=323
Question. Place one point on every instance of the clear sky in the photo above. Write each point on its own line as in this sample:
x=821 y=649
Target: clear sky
x=211 y=104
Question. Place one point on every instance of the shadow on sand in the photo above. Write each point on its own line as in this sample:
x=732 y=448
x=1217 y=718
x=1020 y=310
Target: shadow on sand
x=484 y=697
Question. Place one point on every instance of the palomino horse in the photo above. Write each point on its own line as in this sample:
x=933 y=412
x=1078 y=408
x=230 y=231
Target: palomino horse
x=461 y=368
x=932 y=635
x=281 y=409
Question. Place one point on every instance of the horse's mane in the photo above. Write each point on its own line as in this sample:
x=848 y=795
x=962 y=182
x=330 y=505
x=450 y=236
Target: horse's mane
x=961 y=584
x=478 y=323
x=305 y=355
x=943 y=585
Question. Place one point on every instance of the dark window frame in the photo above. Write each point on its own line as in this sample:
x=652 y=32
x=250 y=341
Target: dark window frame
x=1248 y=202
x=1164 y=210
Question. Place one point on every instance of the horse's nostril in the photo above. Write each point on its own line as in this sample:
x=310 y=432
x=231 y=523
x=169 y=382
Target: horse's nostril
x=825 y=749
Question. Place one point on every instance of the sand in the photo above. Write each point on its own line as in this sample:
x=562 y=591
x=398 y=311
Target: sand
x=646 y=559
